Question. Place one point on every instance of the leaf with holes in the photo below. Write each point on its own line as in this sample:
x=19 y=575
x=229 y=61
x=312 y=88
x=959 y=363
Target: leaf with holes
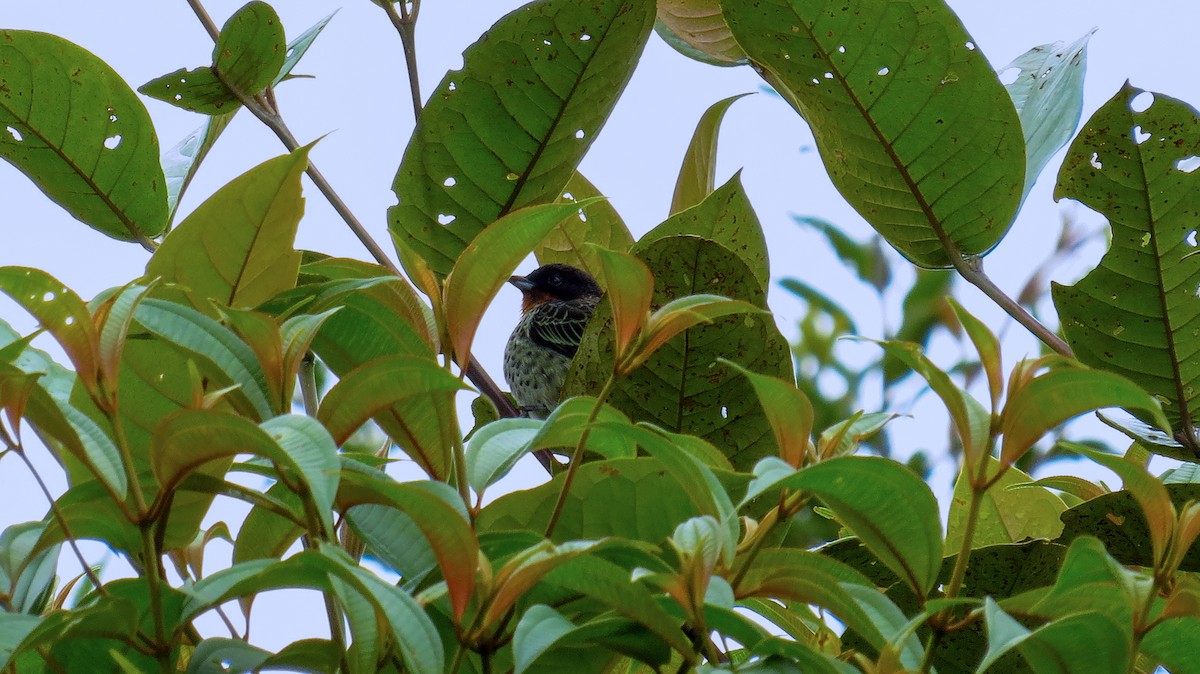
x=80 y=133
x=509 y=129
x=236 y=247
x=1134 y=314
x=598 y=223
x=249 y=55
x=924 y=141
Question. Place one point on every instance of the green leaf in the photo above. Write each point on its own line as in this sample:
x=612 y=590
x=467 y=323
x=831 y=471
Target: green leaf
x=863 y=492
x=212 y=342
x=509 y=129
x=682 y=388
x=61 y=313
x=484 y=266
x=1170 y=642
x=788 y=411
x=597 y=223
x=14 y=627
x=540 y=629
x=607 y=434
x=1061 y=394
x=394 y=539
x=696 y=29
x=190 y=439
x=629 y=488
x=697 y=175
x=1008 y=515
x=1119 y=522
x=724 y=216
x=1048 y=95
x=236 y=247
x=181 y=162
x=413 y=399
x=1151 y=495
x=865 y=259
x=439 y=512
x=114 y=317
x=922 y=312
x=80 y=133
x=987 y=345
x=297 y=48
x=678 y=316
x=215 y=655
x=248 y=56
x=495 y=448
x=923 y=142
x=26 y=576
x=265 y=532
x=1132 y=314
x=1003 y=634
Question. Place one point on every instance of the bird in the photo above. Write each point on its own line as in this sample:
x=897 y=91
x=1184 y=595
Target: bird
x=558 y=300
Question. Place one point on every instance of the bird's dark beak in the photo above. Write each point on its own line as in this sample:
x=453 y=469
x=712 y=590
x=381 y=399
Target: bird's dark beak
x=524 y=284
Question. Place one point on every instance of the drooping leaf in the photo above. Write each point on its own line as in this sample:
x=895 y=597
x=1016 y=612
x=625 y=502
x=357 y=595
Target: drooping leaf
x=697 y=175
x=682 y=388
x=80 y=133
x=788 y=411
x=1048 y=94
x=598 y=223
x=214 y=343
x=1133 y=314
x=412 y=397
x=508 y=130
x=236 y=247
x=697 y=30
x=924 y=143
x=484 y=266
x=863 y=492
x=61 y=313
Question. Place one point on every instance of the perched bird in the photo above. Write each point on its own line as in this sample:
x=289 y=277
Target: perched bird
x=559 y=300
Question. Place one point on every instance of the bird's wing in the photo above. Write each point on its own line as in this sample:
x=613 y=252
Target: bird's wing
x=559 y=325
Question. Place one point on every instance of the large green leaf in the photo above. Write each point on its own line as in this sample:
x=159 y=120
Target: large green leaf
x=914 y=128
x=629 y=488
x=76 y=128
x=1009 y=514
x=1136 y=313
x=682 y=387
x=1120 y=522
x=508 y=129
x=697 y=174
x=236 y=247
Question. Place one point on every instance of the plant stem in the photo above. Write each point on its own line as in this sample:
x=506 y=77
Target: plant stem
x=972 y=271
x=153 y=570
x=577 y=455
x=308 y=384
x=134 y=486
x=62 y=522
x=964 y=552
x=261 y=108
x=406 y=24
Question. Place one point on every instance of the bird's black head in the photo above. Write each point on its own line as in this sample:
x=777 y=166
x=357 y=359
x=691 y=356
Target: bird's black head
x=556 y=282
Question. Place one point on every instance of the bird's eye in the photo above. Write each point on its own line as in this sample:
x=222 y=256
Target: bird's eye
x=555 y=280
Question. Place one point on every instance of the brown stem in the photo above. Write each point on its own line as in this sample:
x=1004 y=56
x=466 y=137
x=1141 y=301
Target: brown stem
x=406 y=24
x=972 y=270
x=62 y=522
x=261 y=108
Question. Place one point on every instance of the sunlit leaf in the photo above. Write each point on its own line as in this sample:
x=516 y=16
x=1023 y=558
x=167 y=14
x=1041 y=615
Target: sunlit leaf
x=1007 y=515
x=236 y=247
x=80 y=133
x=61 y=313
x=697 y=30
x=598 y=223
